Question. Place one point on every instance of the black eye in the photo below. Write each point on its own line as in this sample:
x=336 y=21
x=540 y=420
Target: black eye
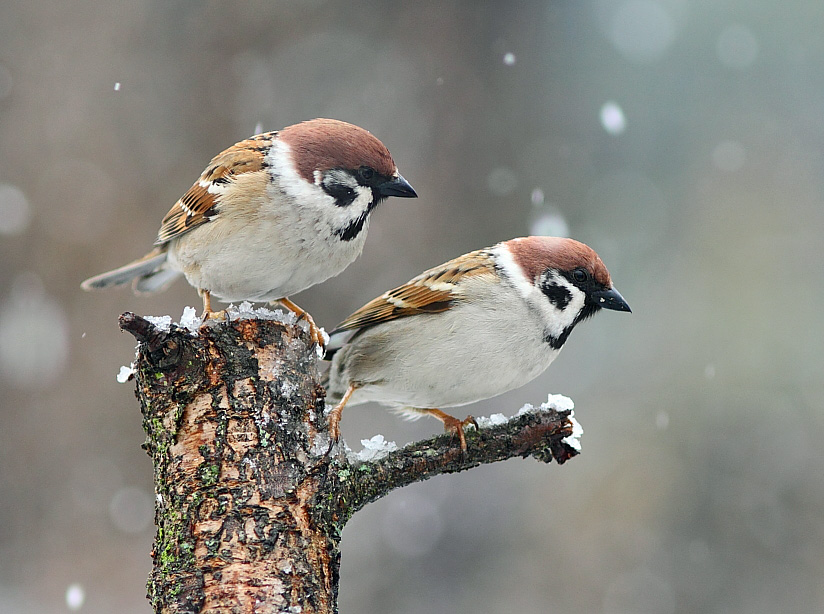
x=580 y=275
x=366 y=174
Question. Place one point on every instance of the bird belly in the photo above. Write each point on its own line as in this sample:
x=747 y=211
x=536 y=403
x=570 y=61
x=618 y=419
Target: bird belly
x=261 y=261
x=426 y=362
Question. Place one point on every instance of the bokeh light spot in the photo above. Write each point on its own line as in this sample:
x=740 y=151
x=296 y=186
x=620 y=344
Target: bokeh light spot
x=34 y=338
x=131 y=509
x=612 y=118
x=737 y=47
x=15 y=212
x=642 y=30
x=75 y=597
x=502 y=181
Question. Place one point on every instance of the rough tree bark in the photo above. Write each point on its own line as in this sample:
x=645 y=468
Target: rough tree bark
x=251 y=498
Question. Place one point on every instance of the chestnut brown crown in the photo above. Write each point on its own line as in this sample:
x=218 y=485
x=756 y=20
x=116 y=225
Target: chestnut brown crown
x=324 y=144
x=537 y=254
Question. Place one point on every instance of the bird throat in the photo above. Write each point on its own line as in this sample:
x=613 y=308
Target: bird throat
x=556 y=342
x=355 y=226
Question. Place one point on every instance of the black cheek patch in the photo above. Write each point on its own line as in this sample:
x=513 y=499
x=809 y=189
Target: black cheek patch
x=343 y=195
x=557 y=294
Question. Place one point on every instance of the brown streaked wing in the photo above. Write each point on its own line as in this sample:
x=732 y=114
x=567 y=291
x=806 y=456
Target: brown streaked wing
x=197 y=205
x=432 y=291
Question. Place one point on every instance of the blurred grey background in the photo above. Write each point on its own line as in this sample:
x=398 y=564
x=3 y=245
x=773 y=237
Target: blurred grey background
x=682 y=140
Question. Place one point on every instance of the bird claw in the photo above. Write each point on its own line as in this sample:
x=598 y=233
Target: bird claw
x=456 y=427
x=213 y=315
x=334 y=428
x=315 y=333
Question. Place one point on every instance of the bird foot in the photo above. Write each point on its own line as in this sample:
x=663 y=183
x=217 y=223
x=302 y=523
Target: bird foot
x=452 y=425
x=315 y=333
x=213 y=315
x=336 y=412
x=208 y=314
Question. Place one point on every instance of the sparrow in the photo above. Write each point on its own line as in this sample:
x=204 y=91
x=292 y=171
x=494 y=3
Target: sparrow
x=270 y=216
x=470 y=329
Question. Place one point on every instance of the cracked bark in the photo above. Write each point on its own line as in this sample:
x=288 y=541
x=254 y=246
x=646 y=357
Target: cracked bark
x=250 y=500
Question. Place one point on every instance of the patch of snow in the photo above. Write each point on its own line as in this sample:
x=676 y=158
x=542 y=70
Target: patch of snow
x=287 y=389
x=326 y=336
x=247 y=311
x=374 y=449
x=190 y=320
x=162 y=323
x=125 y=374
x=244 y=311
x=558 y=402
x=493 y=420
x=577 y=430
x=320 y=444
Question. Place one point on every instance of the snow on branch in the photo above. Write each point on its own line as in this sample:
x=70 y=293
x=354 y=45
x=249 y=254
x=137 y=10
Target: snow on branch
x=544 y=433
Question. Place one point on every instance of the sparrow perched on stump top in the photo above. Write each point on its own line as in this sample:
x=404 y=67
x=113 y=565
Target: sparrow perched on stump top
x=271 y=216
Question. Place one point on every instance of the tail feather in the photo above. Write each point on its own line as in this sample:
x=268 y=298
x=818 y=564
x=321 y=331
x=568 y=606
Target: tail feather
x=155 y=282
x=147 y=266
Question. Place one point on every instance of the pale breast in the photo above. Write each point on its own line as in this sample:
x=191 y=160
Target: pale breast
x=427 y=361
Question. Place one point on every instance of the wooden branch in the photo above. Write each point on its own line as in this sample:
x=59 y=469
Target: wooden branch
x=543 y=434
x=251 y=498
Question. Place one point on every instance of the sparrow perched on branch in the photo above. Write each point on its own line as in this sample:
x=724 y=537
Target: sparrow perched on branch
x=470 y=329
x=270 y=217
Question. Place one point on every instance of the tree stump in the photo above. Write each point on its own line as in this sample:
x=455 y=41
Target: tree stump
x=251 y=495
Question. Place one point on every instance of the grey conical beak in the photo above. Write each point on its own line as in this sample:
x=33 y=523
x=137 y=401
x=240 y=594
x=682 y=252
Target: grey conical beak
x=610 y=299
x=397 y=186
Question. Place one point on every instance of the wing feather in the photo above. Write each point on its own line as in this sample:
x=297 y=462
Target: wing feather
x=435 y=290
x=198 y=205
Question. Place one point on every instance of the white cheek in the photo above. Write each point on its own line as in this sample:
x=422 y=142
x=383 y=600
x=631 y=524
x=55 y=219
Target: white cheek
x=311 y=195
x=363 y=199
x=553 y=320
x=339 y=217
x=512 y=271
x=558 y=320
x=288 y=179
